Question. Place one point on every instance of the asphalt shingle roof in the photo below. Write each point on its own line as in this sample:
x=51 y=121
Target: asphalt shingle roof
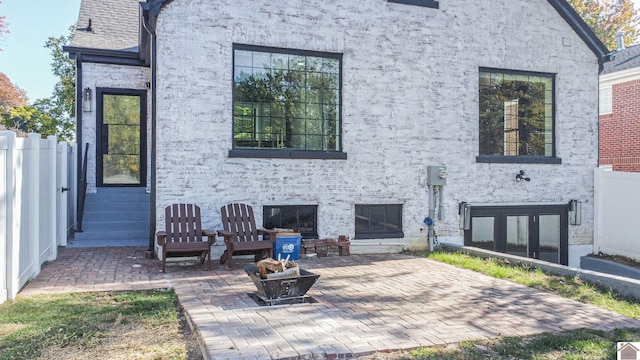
x=115 y=25
x=628 y=58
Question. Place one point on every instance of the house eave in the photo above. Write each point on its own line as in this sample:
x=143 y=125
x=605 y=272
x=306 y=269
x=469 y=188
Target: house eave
x=103 y=56
x=583 y=30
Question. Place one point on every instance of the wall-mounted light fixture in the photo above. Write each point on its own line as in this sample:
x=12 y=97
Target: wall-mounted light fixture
x=464 y=210
x=575 y=212
x=86 y=100
x=522 y=176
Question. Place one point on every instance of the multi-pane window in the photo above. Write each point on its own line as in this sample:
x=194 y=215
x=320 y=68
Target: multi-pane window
x=286 y=99
x=378 y=221
x=516 y=114
x=606 y=100
x=301 y=218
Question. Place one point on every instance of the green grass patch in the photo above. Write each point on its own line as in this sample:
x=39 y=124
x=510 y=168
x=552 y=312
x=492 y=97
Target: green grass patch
x=121 y=324
x=575 y=344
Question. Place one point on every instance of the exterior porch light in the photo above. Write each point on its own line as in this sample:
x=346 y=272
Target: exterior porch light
x=575 y=212
x=86 y=100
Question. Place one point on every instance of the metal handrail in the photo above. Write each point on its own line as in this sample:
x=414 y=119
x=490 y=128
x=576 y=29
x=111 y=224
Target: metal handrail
x=82 y=191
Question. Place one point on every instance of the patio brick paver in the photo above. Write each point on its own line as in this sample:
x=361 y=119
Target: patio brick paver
x=364 y=303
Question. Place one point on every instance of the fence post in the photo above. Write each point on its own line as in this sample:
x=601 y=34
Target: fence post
x=597 y=204
x=62 y=193
x=73 y=183
x=33 y=195
x=48 y=197
x=4 y=216
x=13 y=174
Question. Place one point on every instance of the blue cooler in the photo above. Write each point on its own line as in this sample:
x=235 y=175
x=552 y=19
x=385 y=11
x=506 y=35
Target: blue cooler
x=288 y=245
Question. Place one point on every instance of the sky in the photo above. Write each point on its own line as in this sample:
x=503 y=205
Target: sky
x=24 y=58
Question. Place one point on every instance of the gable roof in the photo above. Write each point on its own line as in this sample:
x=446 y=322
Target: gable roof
x=581 y=28
x=566 y=11
x=626 y=59
x=115 y=25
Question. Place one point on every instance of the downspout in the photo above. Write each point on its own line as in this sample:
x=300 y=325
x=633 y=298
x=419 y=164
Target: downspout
x=151 y=31
x=79 y=146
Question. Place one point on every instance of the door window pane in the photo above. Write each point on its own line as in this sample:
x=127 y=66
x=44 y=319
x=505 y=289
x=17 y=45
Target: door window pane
x=518 y=235
x=121 y=158
x=550 y=238
x=483 y=235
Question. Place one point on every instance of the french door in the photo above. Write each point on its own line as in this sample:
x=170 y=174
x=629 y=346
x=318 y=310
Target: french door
x=539 y=232
x=121 y=137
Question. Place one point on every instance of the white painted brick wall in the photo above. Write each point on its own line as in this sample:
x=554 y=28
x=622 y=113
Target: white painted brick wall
x=109 y=76
x=410 y=99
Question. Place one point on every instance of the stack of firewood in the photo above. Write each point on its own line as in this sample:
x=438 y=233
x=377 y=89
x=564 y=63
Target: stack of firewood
x=277 y=269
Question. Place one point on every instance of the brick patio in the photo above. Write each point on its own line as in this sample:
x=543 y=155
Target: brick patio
x=364 y=304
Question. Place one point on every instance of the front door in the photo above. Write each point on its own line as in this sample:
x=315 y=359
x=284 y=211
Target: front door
x=539 y=232
x=121 y=137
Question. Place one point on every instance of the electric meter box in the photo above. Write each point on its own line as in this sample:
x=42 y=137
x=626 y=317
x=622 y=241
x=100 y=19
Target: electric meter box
x=436 y=175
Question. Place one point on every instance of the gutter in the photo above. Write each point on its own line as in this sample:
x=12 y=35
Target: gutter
x=148 y=27
x=78 y=58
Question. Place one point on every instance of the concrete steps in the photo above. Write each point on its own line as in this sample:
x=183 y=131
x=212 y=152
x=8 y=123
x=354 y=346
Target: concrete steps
x=115 y=217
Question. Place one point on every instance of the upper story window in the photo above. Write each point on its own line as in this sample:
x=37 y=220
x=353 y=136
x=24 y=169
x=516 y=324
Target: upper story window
x=516 y=117
x=426 y=3
x=286 y=103
x=606 y=100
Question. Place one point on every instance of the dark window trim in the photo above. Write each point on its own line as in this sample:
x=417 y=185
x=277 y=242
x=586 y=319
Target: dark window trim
x=100 y=92
x=499 y=213
x=289 y=153
x=286 y=154
x=313 y=235
x=368 y=234
x=501 y=159
x=426 y=3
x=526 y=159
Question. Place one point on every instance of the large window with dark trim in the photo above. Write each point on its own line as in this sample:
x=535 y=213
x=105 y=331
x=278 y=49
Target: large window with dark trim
x=286 y=100
x=426 y=3
x=299 y=218
x=378 y=221
x=516 y=116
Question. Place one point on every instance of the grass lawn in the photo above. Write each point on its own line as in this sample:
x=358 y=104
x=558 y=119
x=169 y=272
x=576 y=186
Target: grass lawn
x=117 y=325
x=576 y=344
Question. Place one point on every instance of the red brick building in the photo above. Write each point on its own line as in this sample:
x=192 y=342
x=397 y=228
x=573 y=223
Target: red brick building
x=620 y=111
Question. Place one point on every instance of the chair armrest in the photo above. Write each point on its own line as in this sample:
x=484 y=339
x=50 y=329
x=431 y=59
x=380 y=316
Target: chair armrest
x=211 y=236
x=228 y=236
x=272 y=233
x=162 y=237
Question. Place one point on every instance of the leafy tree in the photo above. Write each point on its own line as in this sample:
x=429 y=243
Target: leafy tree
x=10 y=95
x=607 y=17
x=54 y=115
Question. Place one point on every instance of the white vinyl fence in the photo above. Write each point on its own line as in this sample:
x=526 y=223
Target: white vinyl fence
x=34 y=209
x=617 y=206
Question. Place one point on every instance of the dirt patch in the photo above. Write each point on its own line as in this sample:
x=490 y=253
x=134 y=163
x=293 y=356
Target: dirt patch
x=134 y=341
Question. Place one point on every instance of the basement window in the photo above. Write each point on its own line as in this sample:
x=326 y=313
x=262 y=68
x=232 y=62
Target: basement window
x=426 y=3
x=379 y=221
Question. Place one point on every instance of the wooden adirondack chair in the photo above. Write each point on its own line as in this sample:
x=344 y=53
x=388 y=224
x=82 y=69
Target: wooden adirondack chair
x=241 y=235
x=184 y=234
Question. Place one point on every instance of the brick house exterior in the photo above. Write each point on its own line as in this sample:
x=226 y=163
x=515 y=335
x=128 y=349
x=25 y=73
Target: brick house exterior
x=407 y=84
x=620 y=111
